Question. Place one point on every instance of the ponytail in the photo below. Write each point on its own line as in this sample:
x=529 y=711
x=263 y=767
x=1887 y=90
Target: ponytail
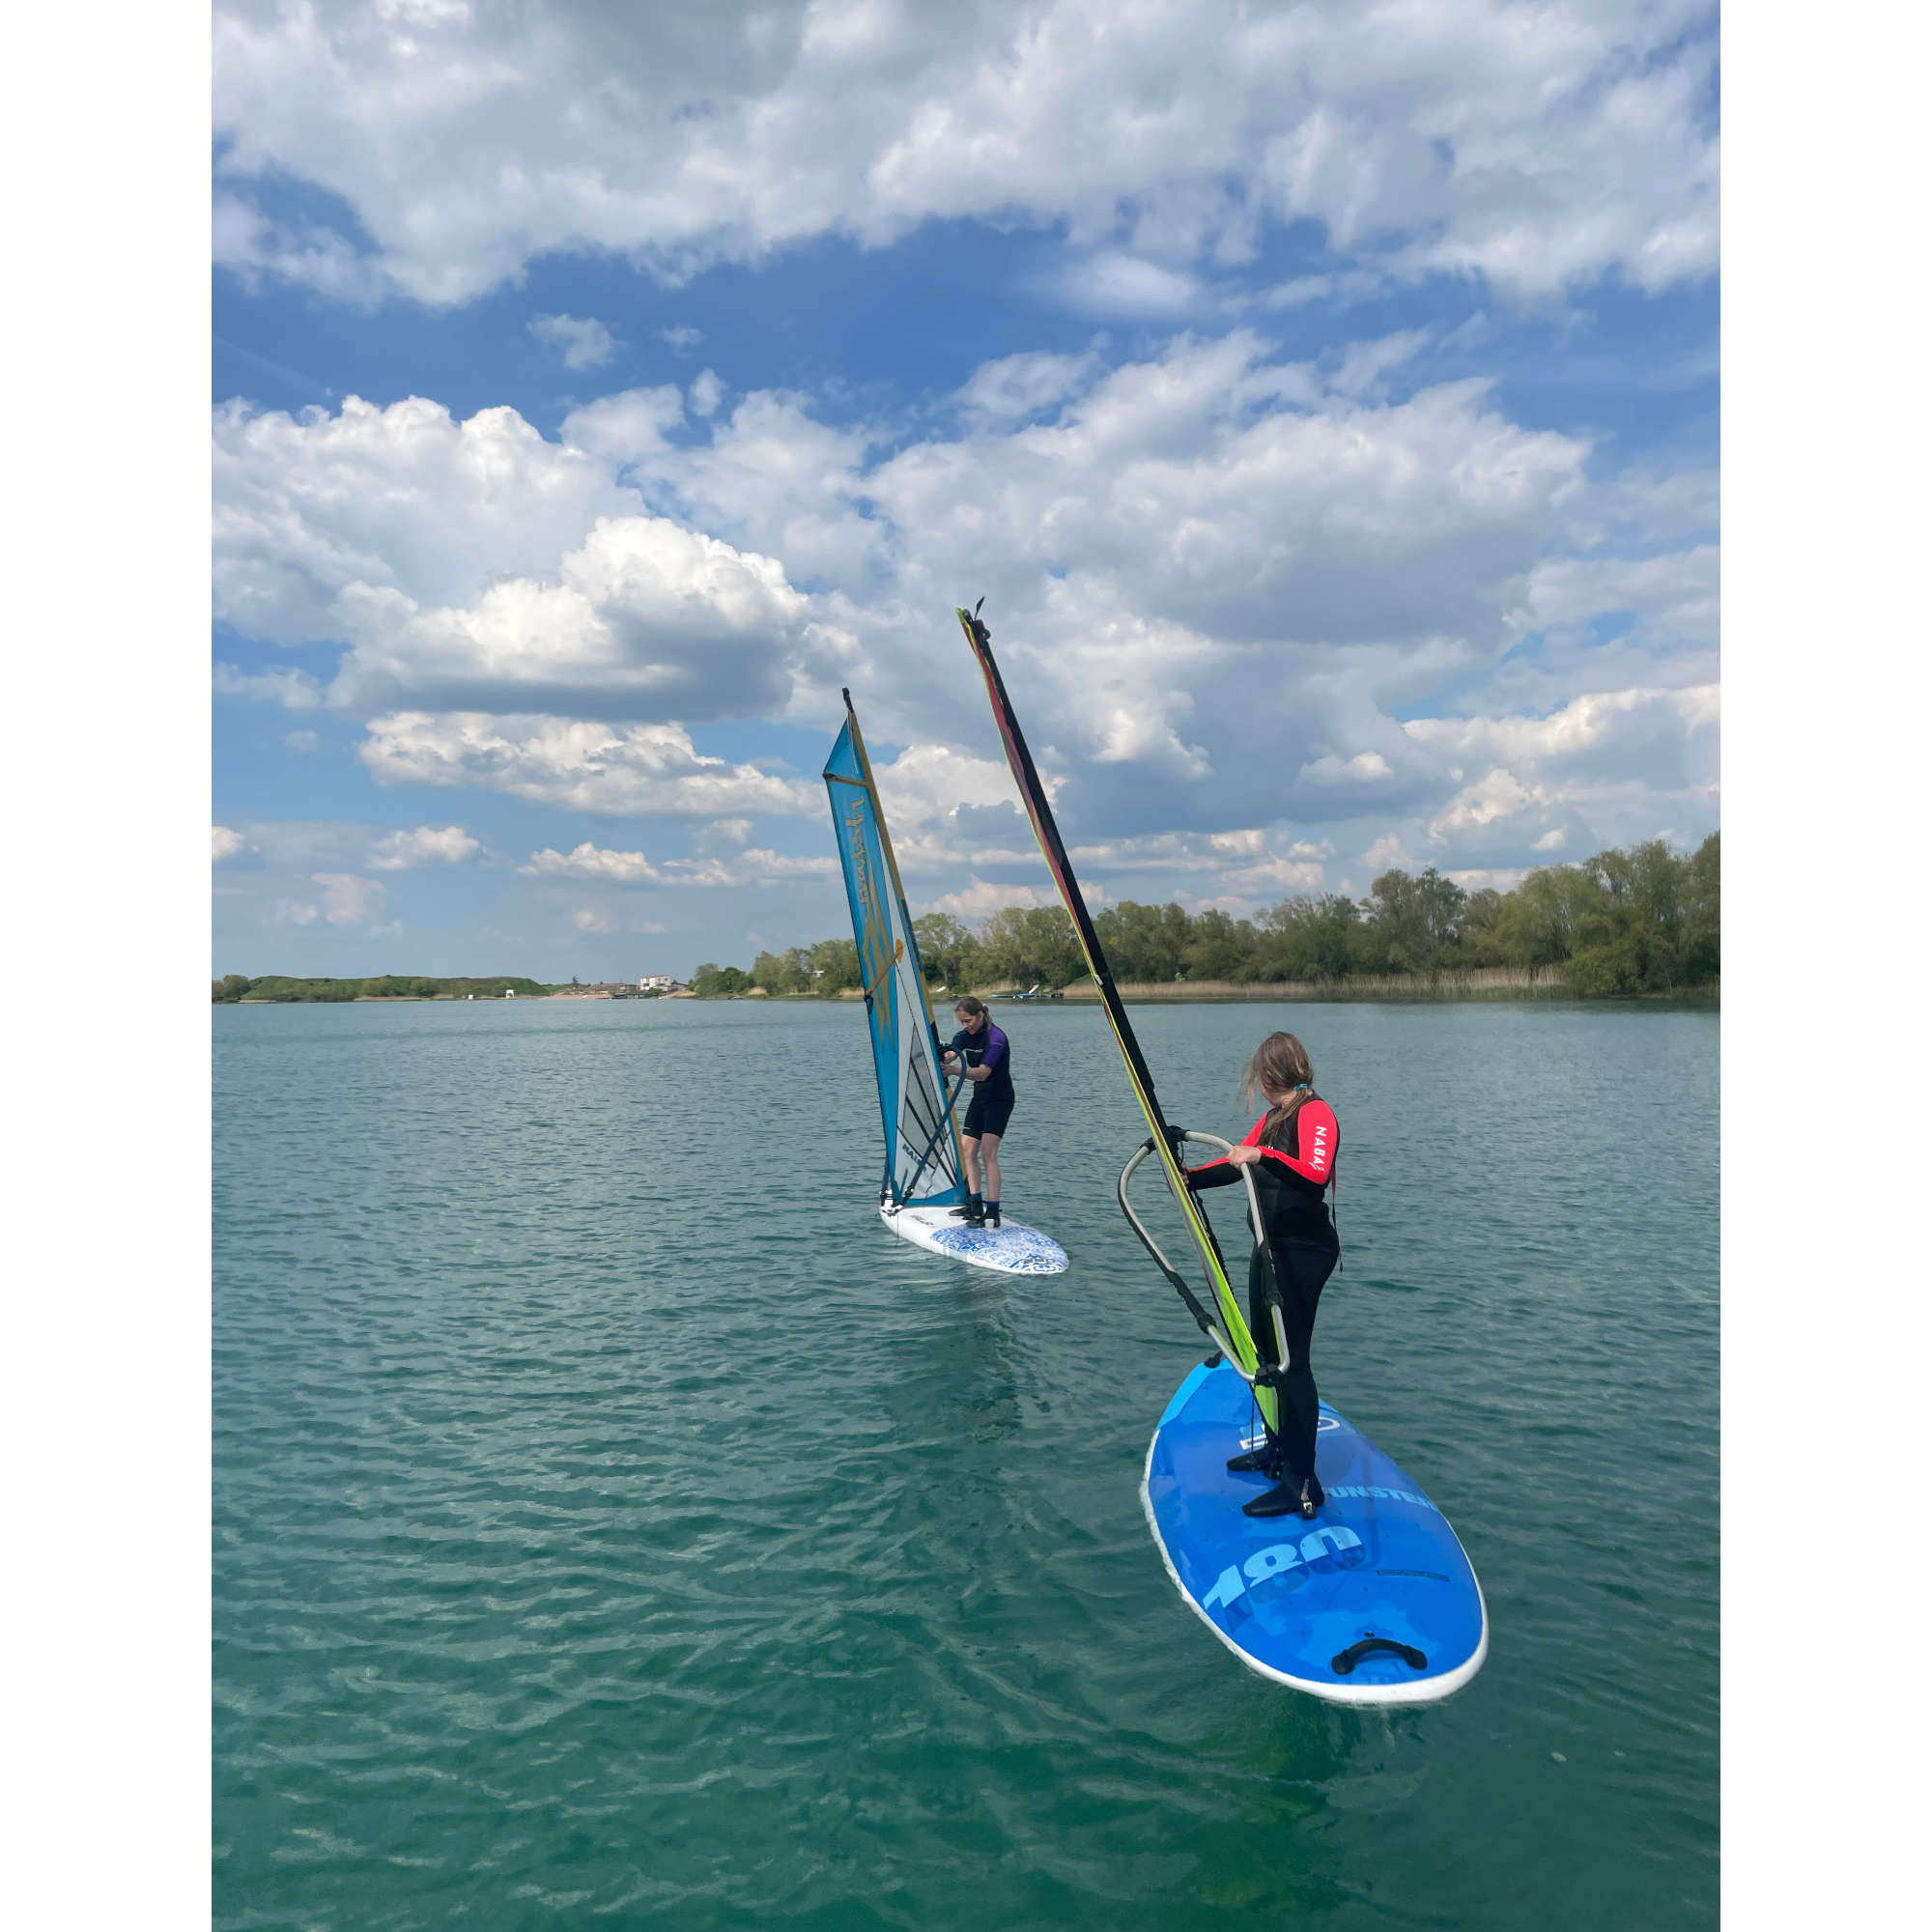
x=1280 y=1061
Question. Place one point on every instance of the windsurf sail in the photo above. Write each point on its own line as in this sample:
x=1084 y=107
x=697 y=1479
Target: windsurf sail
x=1225 y=1325
x=922 y=1140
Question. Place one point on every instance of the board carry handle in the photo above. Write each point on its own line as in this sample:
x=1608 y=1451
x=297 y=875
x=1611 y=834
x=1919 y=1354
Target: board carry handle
x=1345 y=1661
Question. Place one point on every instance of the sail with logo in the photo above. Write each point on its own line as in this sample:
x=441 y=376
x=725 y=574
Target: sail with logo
x=1376 y=1604
x=920 y=1180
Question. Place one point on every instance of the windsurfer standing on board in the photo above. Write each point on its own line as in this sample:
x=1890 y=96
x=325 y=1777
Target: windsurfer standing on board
x=1291 y=1148
x=980 y=1050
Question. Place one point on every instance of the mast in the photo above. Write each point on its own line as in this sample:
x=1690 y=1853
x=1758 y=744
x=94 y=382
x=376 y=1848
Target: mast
x=1164 y=1139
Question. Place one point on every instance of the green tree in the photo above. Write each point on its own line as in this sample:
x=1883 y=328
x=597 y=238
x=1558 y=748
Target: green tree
x=1144 y=943
x=947 y=950
x=1478 y=944
x=1032 y=945
x=1701 y=954
x=1305 y=938
x=229 y=987
x=1220 y=948
x=1628 y=941
x=1414 y=922
x=1536 y=925
x=834 y=965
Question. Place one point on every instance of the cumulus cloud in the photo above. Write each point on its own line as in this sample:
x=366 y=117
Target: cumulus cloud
x=402 y=500
x=628 y=770
x=585 y=343
x=227 y=842
x=755 y=865
x=381 y=529
x=347 y=901
x=1535 y=149
x=292 y=690
x=426 y=844
x=1229 y=591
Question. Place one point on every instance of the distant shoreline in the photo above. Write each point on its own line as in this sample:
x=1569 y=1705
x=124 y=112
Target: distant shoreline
x=1537 y=984
x=1487 y=984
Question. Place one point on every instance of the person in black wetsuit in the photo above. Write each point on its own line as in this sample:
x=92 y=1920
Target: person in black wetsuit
x=982 y=1051
x=1291 y=1148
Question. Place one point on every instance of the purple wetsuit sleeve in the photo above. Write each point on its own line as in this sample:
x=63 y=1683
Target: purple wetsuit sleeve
x=996 y=1046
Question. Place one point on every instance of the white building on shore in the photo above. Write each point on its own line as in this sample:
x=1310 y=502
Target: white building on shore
x=656 y=982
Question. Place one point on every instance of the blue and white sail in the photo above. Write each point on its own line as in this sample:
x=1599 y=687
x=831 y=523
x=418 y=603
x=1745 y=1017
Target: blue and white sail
x=922 y=1157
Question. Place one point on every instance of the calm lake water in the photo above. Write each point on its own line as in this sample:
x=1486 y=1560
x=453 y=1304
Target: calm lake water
x=613 y=1524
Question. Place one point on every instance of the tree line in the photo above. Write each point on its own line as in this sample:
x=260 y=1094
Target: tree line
x=1641 y=919
x=232 y=988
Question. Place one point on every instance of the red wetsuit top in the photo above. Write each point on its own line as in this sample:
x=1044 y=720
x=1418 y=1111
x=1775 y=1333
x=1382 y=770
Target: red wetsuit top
x=1293 y=1178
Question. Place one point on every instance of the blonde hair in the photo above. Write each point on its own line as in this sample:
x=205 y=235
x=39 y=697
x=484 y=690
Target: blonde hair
x=1279 y=1063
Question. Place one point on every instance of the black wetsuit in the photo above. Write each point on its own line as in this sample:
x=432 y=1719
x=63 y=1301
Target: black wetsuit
x=992 y=1102
x=1291 y=1187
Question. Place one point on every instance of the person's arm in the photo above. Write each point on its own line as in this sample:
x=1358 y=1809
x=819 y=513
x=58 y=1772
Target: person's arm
x=1317 y=1136
x=952 y=1063
x=1226 y=1170
x=990 y=1057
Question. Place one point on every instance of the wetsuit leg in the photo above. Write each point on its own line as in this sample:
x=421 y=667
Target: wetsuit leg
x=1304 y=1270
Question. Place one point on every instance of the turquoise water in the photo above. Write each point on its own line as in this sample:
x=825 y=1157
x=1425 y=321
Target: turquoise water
x=613 y=1524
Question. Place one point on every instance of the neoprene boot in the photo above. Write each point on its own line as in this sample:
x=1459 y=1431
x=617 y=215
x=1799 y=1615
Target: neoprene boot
x=992 y=1214
x=1263 y=1461
x=975 y=1210
x=1294 y=1495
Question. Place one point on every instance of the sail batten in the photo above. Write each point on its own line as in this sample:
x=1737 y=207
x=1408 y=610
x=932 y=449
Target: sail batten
x=1040 y=811
x=921 y=1144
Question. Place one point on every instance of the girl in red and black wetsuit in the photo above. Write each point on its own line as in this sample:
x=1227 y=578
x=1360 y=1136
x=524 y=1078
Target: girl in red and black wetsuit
x=1292 y=1150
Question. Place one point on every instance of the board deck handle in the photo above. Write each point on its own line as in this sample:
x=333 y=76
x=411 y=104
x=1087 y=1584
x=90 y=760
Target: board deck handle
x=1345 y=1661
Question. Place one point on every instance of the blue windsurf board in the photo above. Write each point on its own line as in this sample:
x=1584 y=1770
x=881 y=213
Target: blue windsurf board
x=1373 y=1601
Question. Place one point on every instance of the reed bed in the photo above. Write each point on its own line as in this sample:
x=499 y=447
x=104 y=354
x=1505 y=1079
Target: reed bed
x=1486 y=982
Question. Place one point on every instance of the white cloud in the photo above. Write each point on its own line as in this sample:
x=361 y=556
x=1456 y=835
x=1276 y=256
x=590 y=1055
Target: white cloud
x=585 y=343
x=404 y=499
x=1115 y=284
x=980 y=900
x=706 y=392
x=1365 y=768
x=383 y=528
x=1593 y=737
x=427 y=845
x=226 y=842
x=292 y=690
x=1004 y=391
x=1537 y=148
x=347 y=899
x=722 y=834
x=590 y=862
x=755 y=865
x=599 y=919
x=683 y=339
x=303 y=742
x=1220 y=583
x=629 y=769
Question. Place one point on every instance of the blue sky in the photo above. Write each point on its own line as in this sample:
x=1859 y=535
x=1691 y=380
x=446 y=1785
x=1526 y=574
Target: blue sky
x=1323 y=396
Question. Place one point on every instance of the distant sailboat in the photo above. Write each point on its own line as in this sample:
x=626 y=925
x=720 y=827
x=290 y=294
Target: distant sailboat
x=921 y=1184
